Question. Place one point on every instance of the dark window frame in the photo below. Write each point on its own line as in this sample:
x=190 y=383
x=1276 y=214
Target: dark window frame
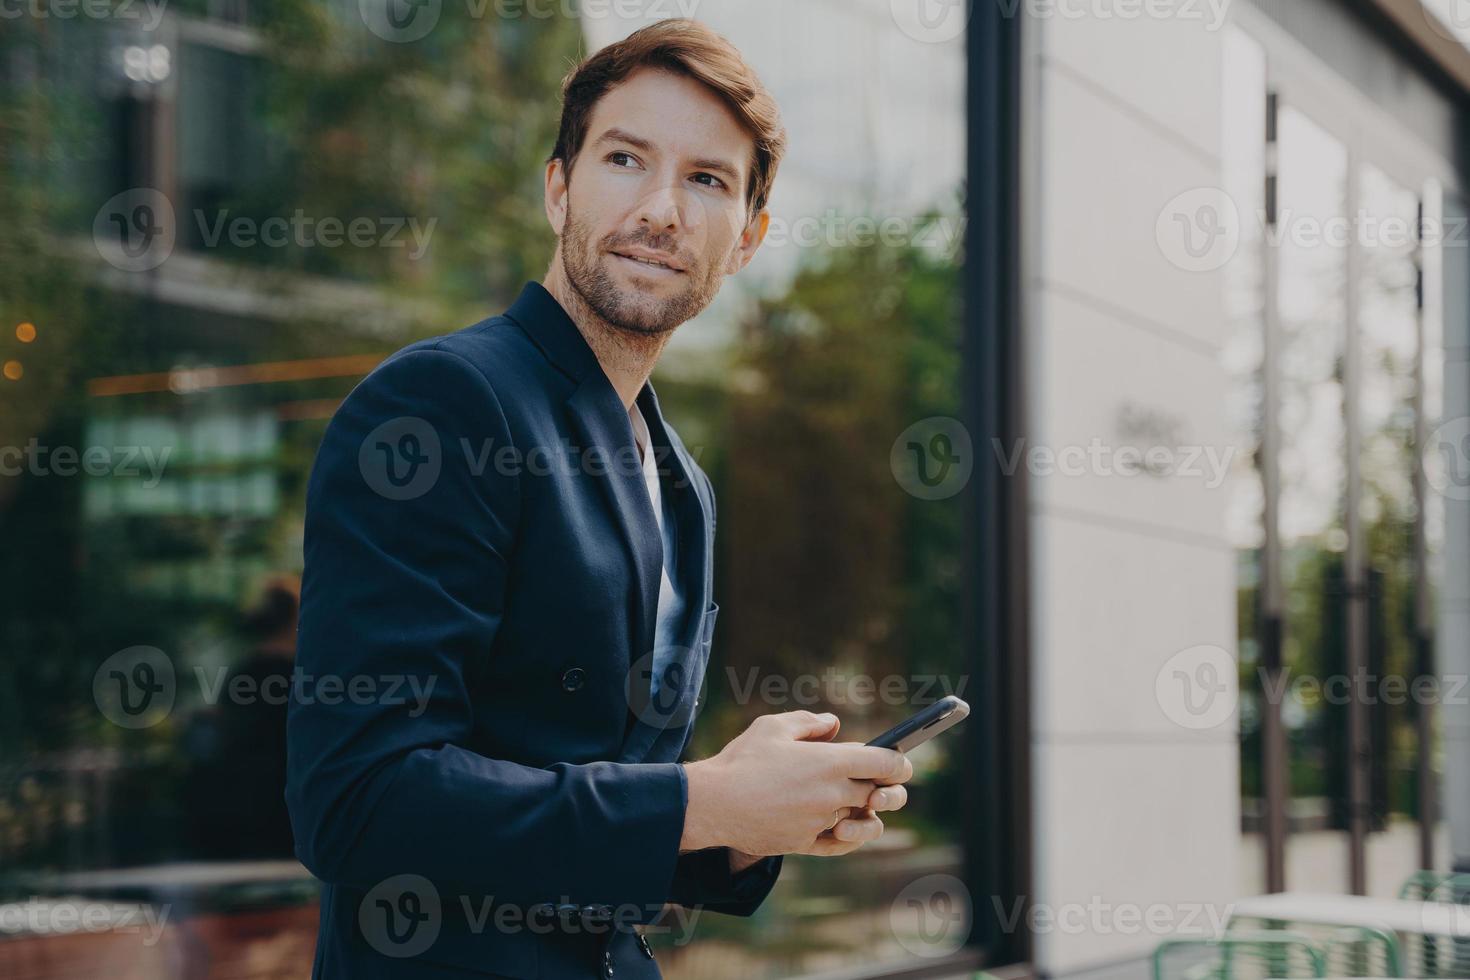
x=997 y=802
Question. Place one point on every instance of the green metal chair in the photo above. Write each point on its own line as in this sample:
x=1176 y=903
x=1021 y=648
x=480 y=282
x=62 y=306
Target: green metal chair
x=1430 y=955
x=1349 y=951
x=1452 y=888
x=1239 y=955
x=1421 y=884
x=1356 y=951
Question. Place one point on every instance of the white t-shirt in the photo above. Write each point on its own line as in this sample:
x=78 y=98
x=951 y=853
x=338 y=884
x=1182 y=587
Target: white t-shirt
x=670 y=600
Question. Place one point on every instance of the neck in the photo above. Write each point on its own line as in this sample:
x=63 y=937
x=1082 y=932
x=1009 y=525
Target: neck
x=627 y=357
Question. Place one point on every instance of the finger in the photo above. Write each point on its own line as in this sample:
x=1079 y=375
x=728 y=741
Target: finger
x=886 y=798
x=858 y=793
x=829 y=735
x=807 y=726
x=871 y=762
x=828 y=846
x=858 y=829
x=905 y=773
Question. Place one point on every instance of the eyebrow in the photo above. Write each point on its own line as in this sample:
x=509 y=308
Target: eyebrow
x=616 y=135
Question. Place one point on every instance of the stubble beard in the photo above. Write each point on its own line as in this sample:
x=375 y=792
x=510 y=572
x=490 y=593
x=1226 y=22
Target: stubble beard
x=639 y=314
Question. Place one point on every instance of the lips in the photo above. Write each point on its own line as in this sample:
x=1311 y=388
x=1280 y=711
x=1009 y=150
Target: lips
x=648 y=262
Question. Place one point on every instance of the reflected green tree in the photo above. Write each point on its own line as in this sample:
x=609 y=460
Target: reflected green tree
x=307 y=113
x=828 y=569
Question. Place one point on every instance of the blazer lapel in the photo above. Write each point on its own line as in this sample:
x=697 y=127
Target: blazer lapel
x=603 y=427
x=600 y=423
x=652 y=721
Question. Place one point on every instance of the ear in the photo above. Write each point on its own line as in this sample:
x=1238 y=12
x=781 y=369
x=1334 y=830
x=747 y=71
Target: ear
x=556 y=196
x=750 y=240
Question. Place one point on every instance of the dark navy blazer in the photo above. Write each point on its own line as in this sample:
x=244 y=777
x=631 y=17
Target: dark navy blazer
x=477 y=521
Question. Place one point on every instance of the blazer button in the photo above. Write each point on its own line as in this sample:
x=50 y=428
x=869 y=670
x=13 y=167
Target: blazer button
x=573 y=679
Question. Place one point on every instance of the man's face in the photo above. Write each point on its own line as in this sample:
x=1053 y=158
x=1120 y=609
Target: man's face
x=654 y=215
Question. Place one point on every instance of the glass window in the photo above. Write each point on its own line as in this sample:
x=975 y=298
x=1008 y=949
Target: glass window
x=1337 y=355
x=194 y=392
x=1244 y=166
x=1389 y=507
x=1312 y=311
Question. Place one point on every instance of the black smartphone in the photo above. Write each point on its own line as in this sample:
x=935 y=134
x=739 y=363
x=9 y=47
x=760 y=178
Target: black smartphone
x=923 y=725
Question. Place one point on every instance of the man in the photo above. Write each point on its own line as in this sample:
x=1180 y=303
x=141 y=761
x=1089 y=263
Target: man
x=236 y=778
x=507 y=597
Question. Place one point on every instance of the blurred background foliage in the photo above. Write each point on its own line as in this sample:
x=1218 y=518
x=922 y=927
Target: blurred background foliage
x=824 y=565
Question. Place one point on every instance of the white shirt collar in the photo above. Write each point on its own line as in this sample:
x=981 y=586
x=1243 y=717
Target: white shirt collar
x=640 y=429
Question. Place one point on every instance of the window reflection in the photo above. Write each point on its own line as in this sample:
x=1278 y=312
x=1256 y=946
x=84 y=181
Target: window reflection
x=843 y=591
x=1244 y=126
x=1389 y=315
x=1312 y=310
x=224 y=365
x=1359 y=532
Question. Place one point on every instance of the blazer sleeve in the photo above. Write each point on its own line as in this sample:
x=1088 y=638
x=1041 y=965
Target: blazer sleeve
x=702 y=879
x=403 y=591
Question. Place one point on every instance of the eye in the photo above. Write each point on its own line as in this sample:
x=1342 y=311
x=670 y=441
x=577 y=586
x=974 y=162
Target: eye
x=716 y=182
x=617 y=156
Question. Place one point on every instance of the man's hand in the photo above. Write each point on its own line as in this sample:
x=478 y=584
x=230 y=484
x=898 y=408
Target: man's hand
x=783 y=787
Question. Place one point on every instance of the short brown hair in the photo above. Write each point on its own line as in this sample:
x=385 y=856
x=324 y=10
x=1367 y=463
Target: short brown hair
x=685 y=47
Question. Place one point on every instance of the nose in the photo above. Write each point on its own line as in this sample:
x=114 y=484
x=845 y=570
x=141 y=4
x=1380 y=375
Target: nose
x=659 y=210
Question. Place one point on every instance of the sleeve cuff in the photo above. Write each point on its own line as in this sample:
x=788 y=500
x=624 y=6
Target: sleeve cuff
x=703 y=879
